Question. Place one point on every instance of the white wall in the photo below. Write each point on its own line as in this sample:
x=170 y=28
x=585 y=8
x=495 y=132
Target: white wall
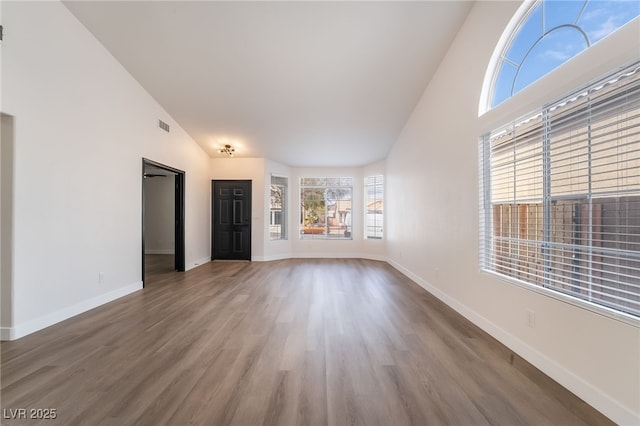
x=357 y=246
x=259 y=171
x=252 y=169
x=326 y=248
x=432 y=223
x=82 y=126
x=159 y=215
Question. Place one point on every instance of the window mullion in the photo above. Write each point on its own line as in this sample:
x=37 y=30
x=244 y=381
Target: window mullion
x=326 y=213
x=546 y=196
x=561 y=195
x=590 y=206
x=488 y=220
x=514 y=216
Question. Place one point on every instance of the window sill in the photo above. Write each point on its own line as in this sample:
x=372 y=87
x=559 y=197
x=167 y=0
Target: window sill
x=579 y=303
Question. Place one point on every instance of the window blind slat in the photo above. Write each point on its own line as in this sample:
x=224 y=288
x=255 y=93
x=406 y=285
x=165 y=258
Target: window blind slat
x=374 y=206
x=560 y=195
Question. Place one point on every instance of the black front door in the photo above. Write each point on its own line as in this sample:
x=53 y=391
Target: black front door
x=231 y=219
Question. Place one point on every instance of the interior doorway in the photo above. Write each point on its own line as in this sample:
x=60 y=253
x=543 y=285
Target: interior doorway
x=7 y=146
x=163 y=248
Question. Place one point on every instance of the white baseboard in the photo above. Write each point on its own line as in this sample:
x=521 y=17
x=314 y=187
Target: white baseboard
x=271 y=257
x=45 y=321
x=320 y=255
x=584 y=390
x=325 y=255
x=376 y=257
x=197 y=263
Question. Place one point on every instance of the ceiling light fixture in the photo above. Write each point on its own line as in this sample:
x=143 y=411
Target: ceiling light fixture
x=227 y=149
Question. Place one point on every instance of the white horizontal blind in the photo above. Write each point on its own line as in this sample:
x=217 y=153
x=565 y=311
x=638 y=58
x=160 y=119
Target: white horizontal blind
x=560 y=195
x=374 y=206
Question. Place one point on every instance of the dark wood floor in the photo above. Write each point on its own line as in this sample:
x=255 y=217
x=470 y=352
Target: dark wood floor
x=308 y=342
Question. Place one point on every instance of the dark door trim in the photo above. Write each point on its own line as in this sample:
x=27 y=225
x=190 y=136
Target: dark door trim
x=179 y=213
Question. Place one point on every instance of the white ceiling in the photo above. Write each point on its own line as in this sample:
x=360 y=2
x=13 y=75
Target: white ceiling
x=308 y=84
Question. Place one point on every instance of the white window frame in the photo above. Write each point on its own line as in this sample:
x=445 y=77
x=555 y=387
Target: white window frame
x=279 y=231
x=544 y=279
x=511 y=32
x=374 y=198
x=333 y=215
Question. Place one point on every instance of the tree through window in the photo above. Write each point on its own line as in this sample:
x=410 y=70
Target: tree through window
x=325 y=208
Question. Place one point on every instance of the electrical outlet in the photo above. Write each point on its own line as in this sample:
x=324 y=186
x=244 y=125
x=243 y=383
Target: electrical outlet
x=100 y=277
x=531 y=318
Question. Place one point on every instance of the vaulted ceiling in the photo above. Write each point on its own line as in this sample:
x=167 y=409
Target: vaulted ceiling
x=307 y=84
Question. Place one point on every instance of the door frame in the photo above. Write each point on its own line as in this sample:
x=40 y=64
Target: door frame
x=213 y=215
x=179 y=215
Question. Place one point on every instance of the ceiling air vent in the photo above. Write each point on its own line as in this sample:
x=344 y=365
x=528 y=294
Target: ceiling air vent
x=164 y=126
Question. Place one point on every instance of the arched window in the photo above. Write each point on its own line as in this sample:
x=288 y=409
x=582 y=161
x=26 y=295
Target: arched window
x=560 y=169
x=547 y=34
